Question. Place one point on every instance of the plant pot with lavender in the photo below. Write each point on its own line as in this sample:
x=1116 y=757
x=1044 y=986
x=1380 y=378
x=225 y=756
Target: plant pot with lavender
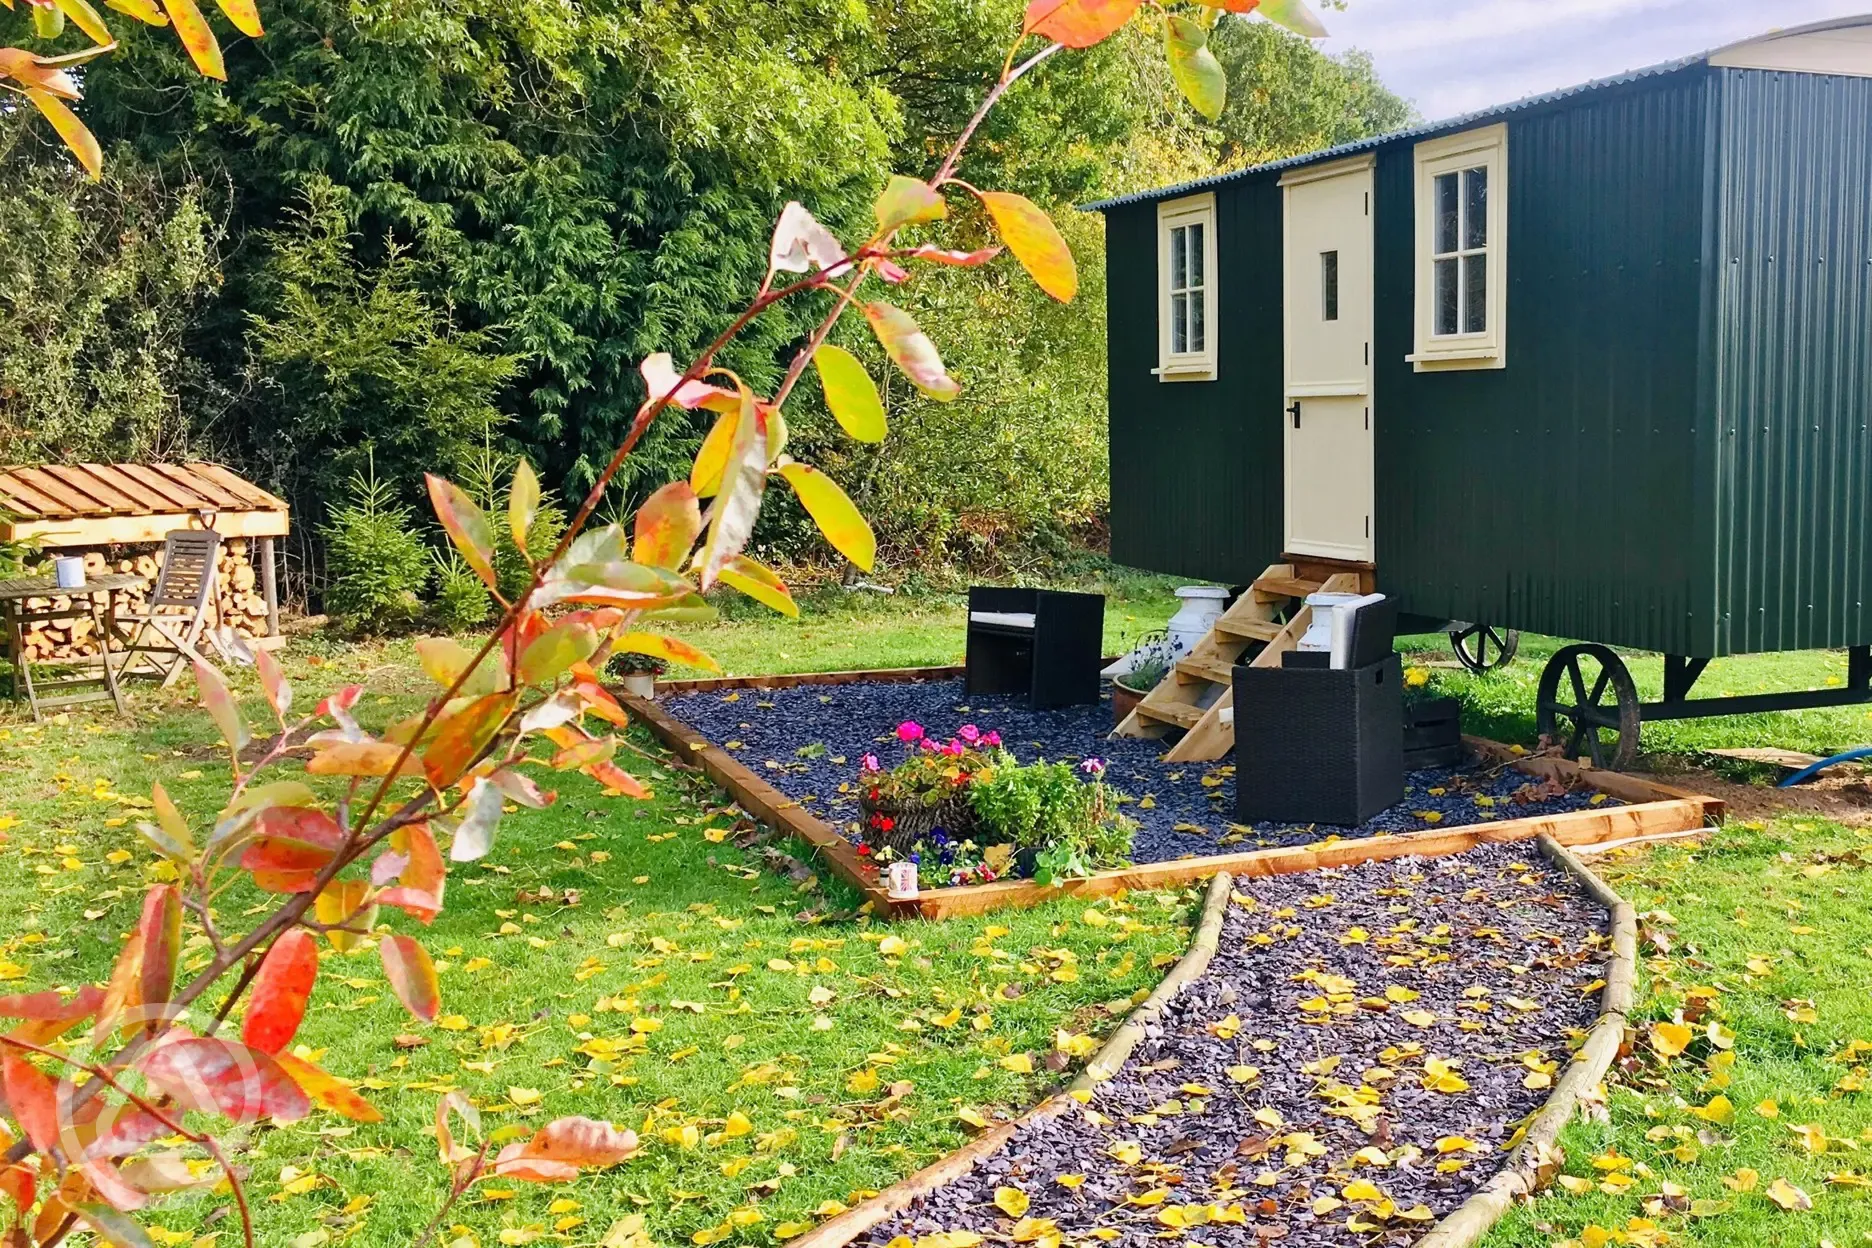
x=637 y=672
x=1151 y=662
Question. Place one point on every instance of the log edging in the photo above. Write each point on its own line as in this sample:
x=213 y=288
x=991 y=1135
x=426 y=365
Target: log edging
x=1106 y=1063
x=1464 y=1226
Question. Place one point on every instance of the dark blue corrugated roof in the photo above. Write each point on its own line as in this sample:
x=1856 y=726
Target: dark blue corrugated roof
x=1413 y=132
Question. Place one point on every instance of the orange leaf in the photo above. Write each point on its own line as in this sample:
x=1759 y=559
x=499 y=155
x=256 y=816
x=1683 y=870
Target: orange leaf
x=361 y=758
x=281 y=990
x=245 y=15
x=220 y=704
x=33 y=1099
x=1078 y=23
x=460 y=738
x=412 y=976
x=193 y=30
x=1035 y=241
x=327 y=1090
x=667 y=526
x=557 y=1150
x=341 y=905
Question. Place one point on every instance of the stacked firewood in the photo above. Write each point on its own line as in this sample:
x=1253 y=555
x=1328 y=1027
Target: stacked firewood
x=237 y=602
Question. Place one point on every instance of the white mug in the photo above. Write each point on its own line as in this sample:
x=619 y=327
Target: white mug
x=68 y=570
x=903 y=881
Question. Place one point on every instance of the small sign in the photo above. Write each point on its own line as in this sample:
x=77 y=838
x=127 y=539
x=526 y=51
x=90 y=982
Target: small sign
x=903 y=881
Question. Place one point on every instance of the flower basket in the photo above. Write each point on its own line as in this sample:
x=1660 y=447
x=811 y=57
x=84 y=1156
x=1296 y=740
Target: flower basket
x=898 y=826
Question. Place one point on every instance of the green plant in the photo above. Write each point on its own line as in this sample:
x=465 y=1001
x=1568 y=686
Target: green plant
x=1157 y=655
x=1072 y=825
x=376 y=565
x=461 y=600
x=482 y=478
x=631 y=663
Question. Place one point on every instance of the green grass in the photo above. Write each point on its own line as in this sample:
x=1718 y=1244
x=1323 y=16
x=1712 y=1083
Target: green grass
x=593 y=901
x=1500 y=704
x=1791 y=896
x=653 y=911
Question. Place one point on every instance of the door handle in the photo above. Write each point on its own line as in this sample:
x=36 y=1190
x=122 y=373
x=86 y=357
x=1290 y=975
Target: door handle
x=1294 y=411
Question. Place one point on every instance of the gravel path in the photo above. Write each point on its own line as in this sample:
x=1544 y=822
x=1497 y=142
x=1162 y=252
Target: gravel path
x=1286 y=1098
x=806 y=740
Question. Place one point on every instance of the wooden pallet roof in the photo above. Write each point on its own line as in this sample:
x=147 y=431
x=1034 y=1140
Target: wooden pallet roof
x=106 y=504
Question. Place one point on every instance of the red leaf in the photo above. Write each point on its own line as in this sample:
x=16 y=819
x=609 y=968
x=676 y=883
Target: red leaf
x=220 y=704
x=1078 y=23
x=615 y=777
x=21 y=1185
x=412 y=976
x=280 y=992
x=292 y=845
x=161 y=933
x=522 y=789
x=661 y=378
x=328 y=1091
x=273 y=681
x=667 y=526
x=33 y=1098
x=220 y=1076
x=422 y=877
x=595 y=698
x=959 y=259
x=911 y=350
x=50 y=1007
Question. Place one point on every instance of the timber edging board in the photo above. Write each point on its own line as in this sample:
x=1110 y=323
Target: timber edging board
x=1653 y=811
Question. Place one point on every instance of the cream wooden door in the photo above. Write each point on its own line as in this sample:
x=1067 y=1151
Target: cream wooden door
x=1328 y=308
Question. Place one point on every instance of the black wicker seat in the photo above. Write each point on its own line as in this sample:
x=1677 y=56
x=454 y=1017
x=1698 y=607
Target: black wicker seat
x=1043 y=644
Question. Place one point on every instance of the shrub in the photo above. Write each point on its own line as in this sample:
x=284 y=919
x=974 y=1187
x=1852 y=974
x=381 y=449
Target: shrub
x=376 y=562
x=483 y=479
x=462 y=599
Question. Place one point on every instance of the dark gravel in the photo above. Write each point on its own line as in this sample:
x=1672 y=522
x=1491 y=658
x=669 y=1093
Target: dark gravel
x=1523 y=947
x=807 y=741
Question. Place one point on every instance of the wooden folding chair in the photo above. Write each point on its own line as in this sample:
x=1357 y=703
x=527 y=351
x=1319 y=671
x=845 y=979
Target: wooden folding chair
x=160 y=645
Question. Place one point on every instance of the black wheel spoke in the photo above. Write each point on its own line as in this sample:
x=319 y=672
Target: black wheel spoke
x=1598 y=690
x=1578 y=679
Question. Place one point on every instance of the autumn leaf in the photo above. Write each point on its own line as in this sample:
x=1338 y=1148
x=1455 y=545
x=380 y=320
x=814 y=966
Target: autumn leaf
x=245 y=16
x=1011 y=1201
x=1292 y=14
x=466 y=524
x=220 y=1076
x=77 y=135
x=670 y=648
x=667 y=526
x=905 y=201
x=1789 y=1198
x=281 y=990
x=220 y=705
x=340 y=907
x=758 y=582
x=911 y=350
x=1198 y=74
x=1035 y=241
x=196 y=37
x=1078 y=23
x=327 y=1091
x=832 y=510
x=1670 y=1039
x=412 y=976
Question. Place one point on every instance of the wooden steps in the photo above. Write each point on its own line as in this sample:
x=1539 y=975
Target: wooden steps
x=1199 y=698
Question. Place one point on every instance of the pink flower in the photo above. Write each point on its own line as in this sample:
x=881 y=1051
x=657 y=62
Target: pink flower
x=954 y=747
x=869 y=762
x=909 y=731
x=992 y=740
x=969 y=733
x=1093 y=766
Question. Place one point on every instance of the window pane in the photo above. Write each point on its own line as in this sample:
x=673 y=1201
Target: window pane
x=1179 y=324
x=1444 y=302
x=1199 y=307
x=1475 y=294
x=1446 y=212
x=1179 y=257
x=1196 y=233
x=1329 y=285
x=1475 y=208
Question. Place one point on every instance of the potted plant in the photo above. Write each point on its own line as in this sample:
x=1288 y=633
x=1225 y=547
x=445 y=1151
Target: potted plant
x=637 y=672
x=1062 y=827
x=926 y=794
x=1151 y=662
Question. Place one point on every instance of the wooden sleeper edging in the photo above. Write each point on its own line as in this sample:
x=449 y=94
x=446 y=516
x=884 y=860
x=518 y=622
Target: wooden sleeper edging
x=1106 y=1063
x=1465 y=1225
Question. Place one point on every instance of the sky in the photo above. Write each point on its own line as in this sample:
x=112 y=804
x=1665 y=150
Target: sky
x=1451 y=57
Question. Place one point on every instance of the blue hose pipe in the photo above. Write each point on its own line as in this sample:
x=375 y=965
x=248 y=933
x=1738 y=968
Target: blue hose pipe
x=1807 y=773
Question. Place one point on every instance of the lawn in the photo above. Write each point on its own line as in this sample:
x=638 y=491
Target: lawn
x=651 y=964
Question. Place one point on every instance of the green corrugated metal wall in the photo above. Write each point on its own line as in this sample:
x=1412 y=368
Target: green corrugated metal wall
x=1559 y=494
x=1195 y=472
x=1789 y=370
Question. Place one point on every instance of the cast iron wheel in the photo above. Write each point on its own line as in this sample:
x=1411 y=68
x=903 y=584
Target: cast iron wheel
x=1588 y=703
x=1483 y=647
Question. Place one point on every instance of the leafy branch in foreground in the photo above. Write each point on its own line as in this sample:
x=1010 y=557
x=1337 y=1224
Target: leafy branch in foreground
x=95 y=1142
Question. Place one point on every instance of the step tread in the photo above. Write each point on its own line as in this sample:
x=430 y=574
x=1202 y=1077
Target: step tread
x=1215 y=671
x=1288 y=586
x=1182 y=714
x=1252 y=630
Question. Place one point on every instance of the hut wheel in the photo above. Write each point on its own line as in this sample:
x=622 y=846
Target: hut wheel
x=1588 y=706
x=1483 y=647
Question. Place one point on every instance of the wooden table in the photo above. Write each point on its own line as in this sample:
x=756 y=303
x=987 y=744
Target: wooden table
x=93 y=601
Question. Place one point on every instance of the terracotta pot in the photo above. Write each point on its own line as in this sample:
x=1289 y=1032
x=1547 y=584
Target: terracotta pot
x=1124 y=701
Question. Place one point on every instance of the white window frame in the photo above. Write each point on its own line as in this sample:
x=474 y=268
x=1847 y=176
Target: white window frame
x=1187 y=365
x=1487 y=148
